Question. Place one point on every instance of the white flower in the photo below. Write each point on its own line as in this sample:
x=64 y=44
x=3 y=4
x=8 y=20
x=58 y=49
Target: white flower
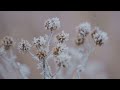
x=62 y=37
x=42 y=54
x=99 y=36
x=57 y=50
x=84 y=29
x=24 y=46
x=40 y=42
x=79 y=40
x=63 y=60
x=7 y=42
x=52 y=24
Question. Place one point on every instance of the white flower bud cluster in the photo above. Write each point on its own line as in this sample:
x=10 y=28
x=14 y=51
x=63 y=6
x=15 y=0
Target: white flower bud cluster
x=24 y=46
x=60 y=50
x=40 y=42
x=82 y=31
x=52 y=24
x=62 y=37
x=99 y=36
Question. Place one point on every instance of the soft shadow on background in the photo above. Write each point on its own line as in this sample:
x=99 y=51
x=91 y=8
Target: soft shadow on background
x=28 y=24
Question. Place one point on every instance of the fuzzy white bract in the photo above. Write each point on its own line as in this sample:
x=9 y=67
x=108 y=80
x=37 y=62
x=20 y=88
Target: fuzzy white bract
x=52 y=24
x=99 y=36
x=59 y=48
x=62 y=37
x=42 y=54
x=24 y=46
x=84 y=29
x=40 y=42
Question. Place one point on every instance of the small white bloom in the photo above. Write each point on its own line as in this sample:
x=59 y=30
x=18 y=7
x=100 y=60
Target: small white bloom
x=63 y=60
x=42 y=54
x=40 y=42
x=52 y=24
x=24 y=46
x=84 y=29
x=99 y=36
x=59 y=49
x=62 y=37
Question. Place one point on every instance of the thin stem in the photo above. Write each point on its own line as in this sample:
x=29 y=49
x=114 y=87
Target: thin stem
x=78 y=74
x=34 y=57
x=44 y=60
x=50 y=73
x=44 y=69
x=51 y=34
x=56 y=72
x=90 y=48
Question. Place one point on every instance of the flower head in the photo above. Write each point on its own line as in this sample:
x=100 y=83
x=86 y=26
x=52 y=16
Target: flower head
x=7 y=42
x=99 y=36
x=79 y=40
x=24 y=46
x=42 y=54
x=52 y=24
x=63 y=60
x=60 y=48
x=84 y=29
x=40 y=42
x=62 y=37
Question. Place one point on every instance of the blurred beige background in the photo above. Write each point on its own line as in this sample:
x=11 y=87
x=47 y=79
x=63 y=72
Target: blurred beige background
x=28 y=24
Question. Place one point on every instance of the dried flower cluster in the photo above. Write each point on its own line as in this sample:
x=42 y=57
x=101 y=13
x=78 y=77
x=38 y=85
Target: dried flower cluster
x=62 y=37
x=52 y=24
x=40 y=42
x=41 y=45
x=24 y=46
x=7 y=42
x=42 y=54
x=10 y=62
x=59 y=51
x=82 y=31
x=99 y=36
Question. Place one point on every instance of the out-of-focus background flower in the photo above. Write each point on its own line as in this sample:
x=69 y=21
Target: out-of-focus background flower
x=104 y=62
